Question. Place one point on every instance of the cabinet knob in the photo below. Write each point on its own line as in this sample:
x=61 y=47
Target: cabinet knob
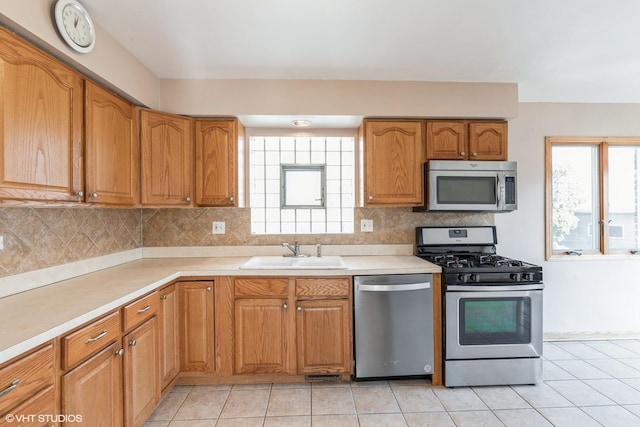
x=462 y=153
x=299 y=309
x=79 y=193
x=208 y=288
x=284 y=306
x=187 y=199
x=94 y=195
x=163 y=297
x=231 y=199
x=133 y=343
x=474 y=154
x=120 y=352
x=370 y=197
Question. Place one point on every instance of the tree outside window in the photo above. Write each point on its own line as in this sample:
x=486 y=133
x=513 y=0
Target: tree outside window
x=593 y=196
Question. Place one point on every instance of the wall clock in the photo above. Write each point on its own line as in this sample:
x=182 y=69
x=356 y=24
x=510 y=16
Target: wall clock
x=74 y=25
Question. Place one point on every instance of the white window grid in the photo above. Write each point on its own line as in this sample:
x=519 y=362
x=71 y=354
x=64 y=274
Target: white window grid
x=268 y=153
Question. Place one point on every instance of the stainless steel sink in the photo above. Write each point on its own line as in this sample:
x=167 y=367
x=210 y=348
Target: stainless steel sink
x=294 y=263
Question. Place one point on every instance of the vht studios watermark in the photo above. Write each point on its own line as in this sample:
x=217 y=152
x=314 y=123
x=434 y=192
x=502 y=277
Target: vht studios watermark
x=42 y=418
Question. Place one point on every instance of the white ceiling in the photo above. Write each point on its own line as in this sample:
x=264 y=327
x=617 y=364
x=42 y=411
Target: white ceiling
x=556 y=50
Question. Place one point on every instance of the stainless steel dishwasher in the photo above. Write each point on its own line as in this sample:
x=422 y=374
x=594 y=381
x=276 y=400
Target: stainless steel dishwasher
x=393 y=325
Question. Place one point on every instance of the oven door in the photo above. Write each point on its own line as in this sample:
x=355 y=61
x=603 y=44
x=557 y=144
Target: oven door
x=493 y=323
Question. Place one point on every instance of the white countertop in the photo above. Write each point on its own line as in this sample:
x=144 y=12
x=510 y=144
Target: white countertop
x=33 y=317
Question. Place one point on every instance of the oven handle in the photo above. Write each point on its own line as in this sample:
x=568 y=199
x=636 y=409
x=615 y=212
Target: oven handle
x=394 y=288
x=495 y=288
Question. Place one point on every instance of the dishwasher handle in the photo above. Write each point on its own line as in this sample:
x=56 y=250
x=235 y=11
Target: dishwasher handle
x=394 y=288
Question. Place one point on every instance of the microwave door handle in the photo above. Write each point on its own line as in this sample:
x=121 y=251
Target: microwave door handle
x=498 y=190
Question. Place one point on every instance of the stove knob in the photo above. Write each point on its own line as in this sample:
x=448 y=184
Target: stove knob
x=463 y=278
x=516 y=277
x=474 y=277
x=527 y=277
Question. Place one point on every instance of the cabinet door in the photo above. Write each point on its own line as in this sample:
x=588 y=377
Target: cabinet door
x=166 y=145
x=169 y=341
x=196 y=326
x=40 y=125
x=94 y=389
x=393 y=163
x=111 y=148
x=261 y=335
x=488 y=140
x=216 y=162
x=446 y=140
x=141 y=372
x=324 y=336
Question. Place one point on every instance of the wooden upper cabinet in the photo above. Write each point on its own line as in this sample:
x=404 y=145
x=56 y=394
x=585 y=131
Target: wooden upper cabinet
x=446 y=140
x=488 y=141
x=111 y=148
x=393 y=157
x=217 y=161
x=40 y=125
x=464 y=140
x=167 y=156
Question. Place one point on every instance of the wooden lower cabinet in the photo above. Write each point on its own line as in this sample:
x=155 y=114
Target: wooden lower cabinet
x=324 y=336
x=261 y=335
x=169 y=338
x=196 y=326
x=94 y=389
x=41 y=411
x=141 y=372
x=296 y=326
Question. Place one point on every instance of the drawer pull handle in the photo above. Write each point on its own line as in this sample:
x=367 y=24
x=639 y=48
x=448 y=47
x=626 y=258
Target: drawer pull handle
x=143 y=310
x=133 y=343
x=10 y=388
x=100 y=336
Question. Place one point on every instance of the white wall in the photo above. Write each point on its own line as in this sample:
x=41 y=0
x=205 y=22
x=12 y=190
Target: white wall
x=109 y=63
x=580 y=297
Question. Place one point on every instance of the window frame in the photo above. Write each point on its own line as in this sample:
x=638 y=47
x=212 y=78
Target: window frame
x=285 y=167
x=602 y=144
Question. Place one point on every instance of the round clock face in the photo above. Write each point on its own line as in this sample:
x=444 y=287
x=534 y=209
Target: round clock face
x=74 y=25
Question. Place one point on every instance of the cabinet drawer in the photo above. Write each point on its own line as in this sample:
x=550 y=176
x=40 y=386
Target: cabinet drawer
x=330 y=287
x=82 y=343
x=44 y=403
x=22 y=379
x=261 y=287
x=140 y=310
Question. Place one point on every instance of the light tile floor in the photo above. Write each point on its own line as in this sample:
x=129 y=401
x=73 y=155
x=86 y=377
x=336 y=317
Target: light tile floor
x=586 y=383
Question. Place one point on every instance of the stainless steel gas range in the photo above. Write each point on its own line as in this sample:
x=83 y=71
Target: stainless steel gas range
x=492 y=310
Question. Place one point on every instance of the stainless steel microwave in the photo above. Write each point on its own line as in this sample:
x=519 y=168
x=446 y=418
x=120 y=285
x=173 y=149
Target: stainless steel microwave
x=476 y=186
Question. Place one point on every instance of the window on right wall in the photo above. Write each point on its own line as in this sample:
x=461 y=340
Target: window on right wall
x=592 y=196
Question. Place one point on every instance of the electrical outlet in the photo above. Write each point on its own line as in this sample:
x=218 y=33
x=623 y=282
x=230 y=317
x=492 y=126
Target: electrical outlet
x=366 y=225
x=218 y=227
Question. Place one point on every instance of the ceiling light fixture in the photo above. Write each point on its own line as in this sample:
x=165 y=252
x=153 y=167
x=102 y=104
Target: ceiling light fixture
x=301 y=123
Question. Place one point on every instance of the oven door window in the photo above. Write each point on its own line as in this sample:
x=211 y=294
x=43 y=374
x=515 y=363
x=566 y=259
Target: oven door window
x=476 y=190
x=487 y=321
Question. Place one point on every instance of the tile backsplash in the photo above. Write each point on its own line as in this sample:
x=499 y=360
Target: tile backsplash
x=39 y=237
x=35 y=238
x=192 y=227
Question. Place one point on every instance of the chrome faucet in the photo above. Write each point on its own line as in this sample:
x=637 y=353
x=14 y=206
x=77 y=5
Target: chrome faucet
x=295 y=248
